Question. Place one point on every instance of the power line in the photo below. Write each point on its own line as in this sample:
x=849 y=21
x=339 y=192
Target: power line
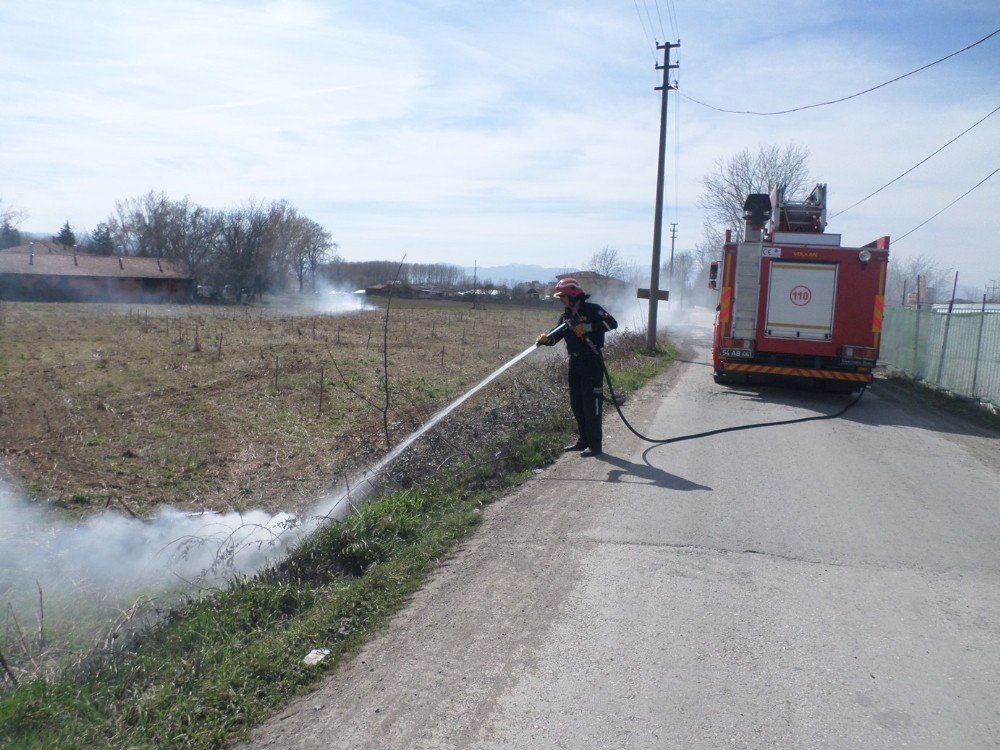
x=897 y=239
x=645 y=6
x=915 y=165
x=656 y=4
x=844 y=98
x=649 y=41
x=672 y=16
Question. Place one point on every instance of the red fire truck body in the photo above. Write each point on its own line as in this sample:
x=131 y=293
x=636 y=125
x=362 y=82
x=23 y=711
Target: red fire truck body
x=794 y=303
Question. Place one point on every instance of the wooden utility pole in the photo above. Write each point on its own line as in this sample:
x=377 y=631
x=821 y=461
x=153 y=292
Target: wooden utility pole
x=654 y=275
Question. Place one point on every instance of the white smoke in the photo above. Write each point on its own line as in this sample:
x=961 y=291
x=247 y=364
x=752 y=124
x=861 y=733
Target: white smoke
x=333 y=301
x=632 y=313
x=115 y=558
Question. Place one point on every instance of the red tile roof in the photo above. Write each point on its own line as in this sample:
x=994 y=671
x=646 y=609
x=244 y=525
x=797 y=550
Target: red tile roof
x=50 y=259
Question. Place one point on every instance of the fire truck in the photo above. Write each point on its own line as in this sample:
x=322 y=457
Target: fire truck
x=793 y=302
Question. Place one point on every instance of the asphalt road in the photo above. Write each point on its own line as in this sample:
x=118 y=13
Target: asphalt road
x=833 y=584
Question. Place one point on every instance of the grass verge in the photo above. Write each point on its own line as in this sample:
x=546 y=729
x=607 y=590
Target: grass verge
x=211 y=670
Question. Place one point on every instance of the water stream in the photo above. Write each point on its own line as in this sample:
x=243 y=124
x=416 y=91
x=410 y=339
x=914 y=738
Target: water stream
x=336 y=505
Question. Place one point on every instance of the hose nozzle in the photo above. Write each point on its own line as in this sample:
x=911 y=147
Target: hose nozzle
x=558 y=329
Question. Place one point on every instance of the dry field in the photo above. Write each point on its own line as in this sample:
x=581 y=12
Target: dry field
x=220 y=407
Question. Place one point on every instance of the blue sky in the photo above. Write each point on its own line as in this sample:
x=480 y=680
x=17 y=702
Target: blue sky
x=497 y=132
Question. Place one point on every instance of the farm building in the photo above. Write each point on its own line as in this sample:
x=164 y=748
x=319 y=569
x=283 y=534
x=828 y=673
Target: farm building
x=49 y=272
x=596 y=283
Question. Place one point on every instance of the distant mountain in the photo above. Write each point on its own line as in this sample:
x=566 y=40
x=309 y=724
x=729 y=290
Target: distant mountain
x=516 y=272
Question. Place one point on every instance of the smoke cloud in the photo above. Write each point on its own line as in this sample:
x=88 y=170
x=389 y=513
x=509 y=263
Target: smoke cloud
x=632 y=313
x=115 y=558
x=333 y=301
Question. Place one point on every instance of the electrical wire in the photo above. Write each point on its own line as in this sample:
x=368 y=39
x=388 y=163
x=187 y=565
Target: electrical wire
x=896 y=240
x=844 y=98
x=656 y=4
x=672 y=17
x=645 y=7
x=915 y=165
x=649 y=41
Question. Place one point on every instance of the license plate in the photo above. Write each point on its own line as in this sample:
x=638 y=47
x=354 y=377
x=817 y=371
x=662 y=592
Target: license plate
x=738 y=353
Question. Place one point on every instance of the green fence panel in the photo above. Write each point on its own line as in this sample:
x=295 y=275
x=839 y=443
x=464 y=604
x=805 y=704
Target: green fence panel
x=958 y=352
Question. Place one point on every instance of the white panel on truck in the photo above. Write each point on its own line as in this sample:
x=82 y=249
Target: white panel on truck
x=800 y=300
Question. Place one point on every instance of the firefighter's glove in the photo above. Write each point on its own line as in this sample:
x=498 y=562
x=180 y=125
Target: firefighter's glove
x=544 y=340
x=582 y=329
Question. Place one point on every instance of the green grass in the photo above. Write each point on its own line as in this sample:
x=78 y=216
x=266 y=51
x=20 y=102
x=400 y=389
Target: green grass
x=631 y=372
x=226 y=662
x=214 y=668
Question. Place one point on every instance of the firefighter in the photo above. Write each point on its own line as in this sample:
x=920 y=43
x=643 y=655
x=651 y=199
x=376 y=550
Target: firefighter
x=583 y=325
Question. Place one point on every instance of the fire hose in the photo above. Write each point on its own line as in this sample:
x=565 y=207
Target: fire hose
x=616 y=403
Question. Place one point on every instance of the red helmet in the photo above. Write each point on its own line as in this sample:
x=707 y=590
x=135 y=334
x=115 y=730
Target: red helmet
x=568 y=287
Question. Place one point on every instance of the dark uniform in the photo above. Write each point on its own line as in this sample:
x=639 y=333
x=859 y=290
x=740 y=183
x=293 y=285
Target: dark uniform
x=586 y=370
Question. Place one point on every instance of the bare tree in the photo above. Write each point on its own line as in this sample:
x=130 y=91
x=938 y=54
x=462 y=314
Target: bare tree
x=358 y=274
x=140 y=226
x=152 y=225
x=709 y=247
x=286 y=243
x=10 y=219
x=10 y=215
x=608 y=262
x=435 y=274
x=733 y=179
x=300 y=245
x=685 y=266
x=200 y=238
x=312 y=250
x=245 y=242
x=935 y=281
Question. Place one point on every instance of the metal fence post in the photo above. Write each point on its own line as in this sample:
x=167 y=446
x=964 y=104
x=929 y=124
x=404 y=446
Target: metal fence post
x=947 y=324
x=916 y=336
x=979 y=347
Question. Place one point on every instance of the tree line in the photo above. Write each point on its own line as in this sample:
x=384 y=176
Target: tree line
x=254 y=246
x=251 y=247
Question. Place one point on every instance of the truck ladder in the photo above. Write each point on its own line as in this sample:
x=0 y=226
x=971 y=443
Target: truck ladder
x=747 y=291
